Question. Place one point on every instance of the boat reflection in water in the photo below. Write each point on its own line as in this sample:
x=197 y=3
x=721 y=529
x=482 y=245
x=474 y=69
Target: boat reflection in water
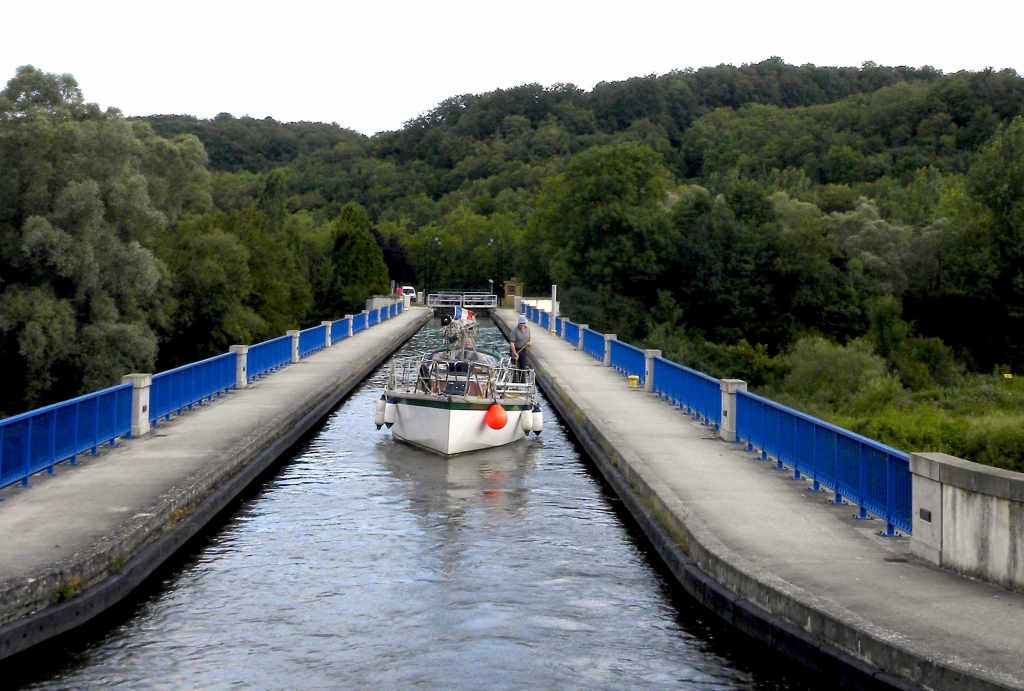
x=490 y=479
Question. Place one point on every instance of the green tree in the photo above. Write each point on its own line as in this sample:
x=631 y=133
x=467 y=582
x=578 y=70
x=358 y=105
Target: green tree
x=357 y=260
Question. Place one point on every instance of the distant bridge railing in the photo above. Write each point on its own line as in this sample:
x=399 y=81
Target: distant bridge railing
x=872 y=475
x=478 y=301
x=312 y=340
x=862 y=471
x=175 y=390
x=593 y=344
x=269 y=356
x=38 y=440
x=627 y=359
x=695 y=392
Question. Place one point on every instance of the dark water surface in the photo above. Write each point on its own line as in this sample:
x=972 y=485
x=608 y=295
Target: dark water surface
x=368 y=564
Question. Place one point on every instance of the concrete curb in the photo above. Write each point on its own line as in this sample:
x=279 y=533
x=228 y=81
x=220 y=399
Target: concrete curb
x=180 y=514
x=716 y=577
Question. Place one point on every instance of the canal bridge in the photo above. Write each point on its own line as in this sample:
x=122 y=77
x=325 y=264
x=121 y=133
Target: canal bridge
x=779 y=544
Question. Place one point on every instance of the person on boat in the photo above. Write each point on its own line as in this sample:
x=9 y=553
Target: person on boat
x=520 y=343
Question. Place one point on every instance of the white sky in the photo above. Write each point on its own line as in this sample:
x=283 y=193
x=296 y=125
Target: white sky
x=371 y=65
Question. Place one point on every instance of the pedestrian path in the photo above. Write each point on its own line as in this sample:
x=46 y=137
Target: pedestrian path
x=82 y=527
x=791 y=551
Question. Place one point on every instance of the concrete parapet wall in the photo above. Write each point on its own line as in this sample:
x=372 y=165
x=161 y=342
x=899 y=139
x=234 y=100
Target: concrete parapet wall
x=378 y=301
x=969 y=518
x=42 y=604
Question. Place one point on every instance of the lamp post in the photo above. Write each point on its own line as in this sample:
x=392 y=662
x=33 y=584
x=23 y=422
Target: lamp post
x=498 y=246
x=431 y=245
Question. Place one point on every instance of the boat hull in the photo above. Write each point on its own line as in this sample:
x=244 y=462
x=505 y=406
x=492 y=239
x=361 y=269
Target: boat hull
x=451 y=428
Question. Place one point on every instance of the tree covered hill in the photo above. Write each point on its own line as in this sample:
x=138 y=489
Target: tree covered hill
x=751 y=221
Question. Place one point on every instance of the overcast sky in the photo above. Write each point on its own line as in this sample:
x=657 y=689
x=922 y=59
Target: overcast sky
x=374 y=64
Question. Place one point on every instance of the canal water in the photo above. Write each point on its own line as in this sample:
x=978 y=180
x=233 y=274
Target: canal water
x=365 y=564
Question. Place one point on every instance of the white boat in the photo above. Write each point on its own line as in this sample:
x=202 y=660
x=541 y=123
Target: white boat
x=460 y=397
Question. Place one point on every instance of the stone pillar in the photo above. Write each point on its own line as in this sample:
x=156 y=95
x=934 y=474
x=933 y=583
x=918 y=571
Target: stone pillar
x=140 y=402
x=327 y=333
x=348 y=320
x=366 y=319
x=579 y=344
x=608 y=338
x=406 y=300
x=241 y=365
x=562 y=333
x=649 y=356
x=295 y=345
x=729 y=388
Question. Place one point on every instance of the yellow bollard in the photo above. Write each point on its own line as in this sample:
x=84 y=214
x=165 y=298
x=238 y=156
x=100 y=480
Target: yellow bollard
x=633 y=381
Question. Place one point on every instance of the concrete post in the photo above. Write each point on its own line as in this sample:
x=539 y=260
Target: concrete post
x=140 y=402
x=608 y=338
x=649 y=356
x=348 y=320
x=327 y=333
x=241 y=364
x=406 y=300
x=729 y=387
x=517 y=303
x=295 y=345
x=366 y=319
x=562 y=333
x=579 y=344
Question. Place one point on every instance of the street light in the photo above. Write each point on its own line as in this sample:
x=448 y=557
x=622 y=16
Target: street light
x=431 y=244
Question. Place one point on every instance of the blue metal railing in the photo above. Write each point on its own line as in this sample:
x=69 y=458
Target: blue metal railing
x=371 y=318
x=312 y=340
x=268 y=357
x=339 y=330
x=593 y=344
x=39 y=439
x=628 y=359
x=545 y=321
x=174 y=390
x=358 y=323
x=384 y=313
x=399 y=307
x=689 y=389
x=872 y=475
x=558 y=325
x=572 y=333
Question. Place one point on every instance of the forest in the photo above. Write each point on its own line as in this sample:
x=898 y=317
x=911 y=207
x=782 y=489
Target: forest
x=848 y=240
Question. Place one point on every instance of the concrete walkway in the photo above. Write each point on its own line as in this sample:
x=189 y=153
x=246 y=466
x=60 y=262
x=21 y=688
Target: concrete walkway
x=785 y=550
x=84 y=532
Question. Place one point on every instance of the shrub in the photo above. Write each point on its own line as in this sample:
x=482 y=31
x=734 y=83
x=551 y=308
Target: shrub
x=830 y=376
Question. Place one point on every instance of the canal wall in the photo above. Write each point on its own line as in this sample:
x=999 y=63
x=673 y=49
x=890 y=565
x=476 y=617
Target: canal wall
x=776 y=563
x=77 y=543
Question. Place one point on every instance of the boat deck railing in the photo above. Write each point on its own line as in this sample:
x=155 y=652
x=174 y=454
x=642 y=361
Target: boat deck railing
x=461 y=378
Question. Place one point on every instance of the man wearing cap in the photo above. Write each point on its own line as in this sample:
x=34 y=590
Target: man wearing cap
x=519 y=342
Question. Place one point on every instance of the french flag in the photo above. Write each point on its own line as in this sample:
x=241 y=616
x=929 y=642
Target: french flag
x=463 y=313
